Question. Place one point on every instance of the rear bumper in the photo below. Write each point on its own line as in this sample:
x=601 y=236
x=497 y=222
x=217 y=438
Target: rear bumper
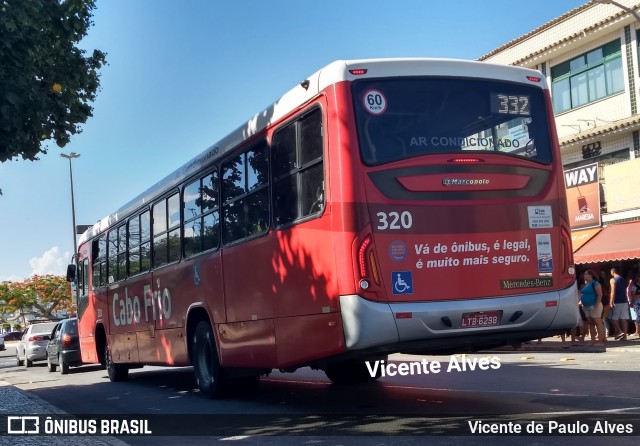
x=373 y=325
x=71 y=357
x=36 y=353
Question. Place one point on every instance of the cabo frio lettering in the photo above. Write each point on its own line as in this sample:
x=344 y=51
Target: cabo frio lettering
x=128 y=310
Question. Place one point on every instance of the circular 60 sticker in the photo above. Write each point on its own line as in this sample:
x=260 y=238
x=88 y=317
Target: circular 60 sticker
x=374 y=102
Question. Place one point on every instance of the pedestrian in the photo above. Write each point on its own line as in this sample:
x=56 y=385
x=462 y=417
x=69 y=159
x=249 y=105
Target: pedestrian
x=619 y=313
x=606 y=305
x=634 y=296
x=591 y=298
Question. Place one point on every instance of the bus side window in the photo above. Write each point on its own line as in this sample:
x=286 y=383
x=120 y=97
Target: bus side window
x=298 y=172
x=99 y=261
x=201 y=227
x=166 y=230
x=245 y=194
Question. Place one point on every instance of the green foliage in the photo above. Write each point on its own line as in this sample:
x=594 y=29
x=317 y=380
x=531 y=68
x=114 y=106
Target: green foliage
x=39 y=295
x=46 y=82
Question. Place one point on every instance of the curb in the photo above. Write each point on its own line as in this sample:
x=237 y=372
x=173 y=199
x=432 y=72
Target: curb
x=20 y=402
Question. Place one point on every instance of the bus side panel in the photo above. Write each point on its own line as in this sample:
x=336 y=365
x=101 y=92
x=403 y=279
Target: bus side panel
x=163 y=347
x=248 y=281
x=124 y=347
x=303 y=262
x=166 y=303
x=347 y=217
x=306 y=338
x=248 y=344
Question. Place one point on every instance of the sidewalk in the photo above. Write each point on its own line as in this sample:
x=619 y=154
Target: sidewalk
x=16 y=402
x=555 y=344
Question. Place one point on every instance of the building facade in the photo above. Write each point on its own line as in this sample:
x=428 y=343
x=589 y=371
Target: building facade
x=590 y=57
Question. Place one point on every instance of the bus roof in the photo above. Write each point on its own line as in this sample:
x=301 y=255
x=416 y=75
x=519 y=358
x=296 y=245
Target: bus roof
x=340 y=70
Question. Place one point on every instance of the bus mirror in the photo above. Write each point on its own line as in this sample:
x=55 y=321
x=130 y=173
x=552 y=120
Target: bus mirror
x=71 y=273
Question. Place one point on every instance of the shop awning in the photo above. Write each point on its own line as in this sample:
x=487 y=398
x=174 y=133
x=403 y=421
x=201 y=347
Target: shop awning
x=579 y=238
x=614 y=243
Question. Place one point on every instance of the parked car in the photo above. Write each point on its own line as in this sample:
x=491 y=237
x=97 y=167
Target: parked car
x=2 y=347
x=13 y=336
x=63 y=349
x=33 y=345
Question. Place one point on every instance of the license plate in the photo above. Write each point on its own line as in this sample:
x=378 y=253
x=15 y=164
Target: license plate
x=481 y=319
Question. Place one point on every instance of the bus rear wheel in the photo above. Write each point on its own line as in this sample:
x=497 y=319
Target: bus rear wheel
x=350 y=372
x=209 y=373
x=116 y=372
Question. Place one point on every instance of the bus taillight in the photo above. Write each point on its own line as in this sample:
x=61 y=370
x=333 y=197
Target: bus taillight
x=362 y=264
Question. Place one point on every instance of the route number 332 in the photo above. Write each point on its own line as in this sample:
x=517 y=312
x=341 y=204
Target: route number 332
x=394 y=220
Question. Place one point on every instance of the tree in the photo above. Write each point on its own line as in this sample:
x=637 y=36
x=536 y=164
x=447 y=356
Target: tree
x=38 y=295
x=46 y=82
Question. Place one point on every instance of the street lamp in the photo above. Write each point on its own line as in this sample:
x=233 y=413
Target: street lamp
x=73 y=208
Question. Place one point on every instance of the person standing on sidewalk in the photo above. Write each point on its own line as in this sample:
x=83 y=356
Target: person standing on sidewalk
x=634 y=300
x=591 y=298
x=619 y=313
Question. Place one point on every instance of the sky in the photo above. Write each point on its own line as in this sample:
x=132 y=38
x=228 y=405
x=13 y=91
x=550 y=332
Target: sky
x=182 y=74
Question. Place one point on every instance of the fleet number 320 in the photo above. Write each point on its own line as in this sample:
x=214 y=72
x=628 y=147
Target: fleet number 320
x=394 y=220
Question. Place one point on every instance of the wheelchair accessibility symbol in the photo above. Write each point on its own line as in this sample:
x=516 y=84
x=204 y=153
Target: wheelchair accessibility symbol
x=402 y=282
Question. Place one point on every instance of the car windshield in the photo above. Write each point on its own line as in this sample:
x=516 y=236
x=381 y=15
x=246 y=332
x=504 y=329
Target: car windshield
x=407 y=117
x=43 y=328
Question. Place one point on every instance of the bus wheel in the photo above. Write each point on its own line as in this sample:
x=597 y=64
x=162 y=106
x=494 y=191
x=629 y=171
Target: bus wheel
x=116 y=372
x=206 y=366
x=350 y=372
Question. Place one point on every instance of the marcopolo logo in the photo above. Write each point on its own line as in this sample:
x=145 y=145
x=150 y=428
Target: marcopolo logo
x=447 y=182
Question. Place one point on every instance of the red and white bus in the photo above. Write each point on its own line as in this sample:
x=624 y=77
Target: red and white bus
x=380 y=206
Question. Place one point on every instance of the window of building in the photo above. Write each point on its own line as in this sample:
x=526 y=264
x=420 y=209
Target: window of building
x=201 y=228
x=139 y=252
x=297 y=169
x=591 y=76
x=166 y=230
x=245 y=194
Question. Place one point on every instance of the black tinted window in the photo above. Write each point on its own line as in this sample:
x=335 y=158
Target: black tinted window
x=403 y=118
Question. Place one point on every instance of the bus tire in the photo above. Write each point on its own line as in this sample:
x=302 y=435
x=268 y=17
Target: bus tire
x=116 y=372
x=206 y=365
x=350 y=372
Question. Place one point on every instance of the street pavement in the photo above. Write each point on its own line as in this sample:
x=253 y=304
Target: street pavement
x=15 y=402
x=555 y=344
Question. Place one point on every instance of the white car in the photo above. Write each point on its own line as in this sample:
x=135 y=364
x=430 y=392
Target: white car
x=33 y=345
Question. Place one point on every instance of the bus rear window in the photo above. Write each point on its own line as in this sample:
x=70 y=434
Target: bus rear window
x=408 y=117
